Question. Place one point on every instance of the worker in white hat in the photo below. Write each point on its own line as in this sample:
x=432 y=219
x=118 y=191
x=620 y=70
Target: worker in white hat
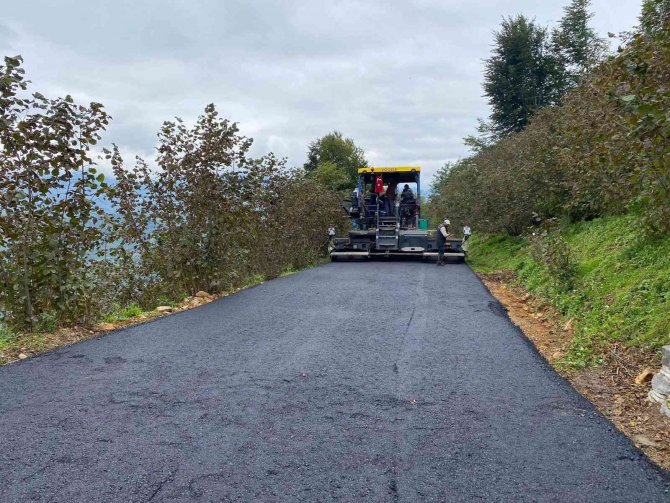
x=442 y=235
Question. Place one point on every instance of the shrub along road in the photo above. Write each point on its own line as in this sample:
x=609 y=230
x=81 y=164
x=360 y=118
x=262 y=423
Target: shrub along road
x=353 y=381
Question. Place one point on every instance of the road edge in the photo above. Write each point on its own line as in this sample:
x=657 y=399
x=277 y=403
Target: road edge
x=656 y=453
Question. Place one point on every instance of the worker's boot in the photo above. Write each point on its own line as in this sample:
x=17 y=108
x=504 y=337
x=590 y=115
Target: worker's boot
x=440 y=261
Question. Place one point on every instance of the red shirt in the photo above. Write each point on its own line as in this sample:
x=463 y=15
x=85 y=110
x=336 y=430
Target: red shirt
x=379 y=184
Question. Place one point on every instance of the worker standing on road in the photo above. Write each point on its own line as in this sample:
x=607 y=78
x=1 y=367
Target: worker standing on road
x=442 y=235
x=332 y=232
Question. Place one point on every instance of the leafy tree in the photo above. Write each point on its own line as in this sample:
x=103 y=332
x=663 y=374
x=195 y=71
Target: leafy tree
x=205 y=189
x=521 y=76
x=486 y=137
x=655 y=16
x=331 y=176
x=217 y=216
x=341 y=153
x=441 y=177
x=576 y=43
x=211 y=218
x=51 y=221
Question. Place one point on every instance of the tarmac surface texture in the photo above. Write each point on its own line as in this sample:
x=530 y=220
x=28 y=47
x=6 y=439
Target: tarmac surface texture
x=354 y=381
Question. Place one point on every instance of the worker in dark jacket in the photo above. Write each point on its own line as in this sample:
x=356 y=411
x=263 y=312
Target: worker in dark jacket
x=389 y=199
x=442 y=235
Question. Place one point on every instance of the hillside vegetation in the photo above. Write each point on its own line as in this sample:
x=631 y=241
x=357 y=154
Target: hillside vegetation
x=77 y=246
x=577 y=202
x=606 y=276
x=604 y=151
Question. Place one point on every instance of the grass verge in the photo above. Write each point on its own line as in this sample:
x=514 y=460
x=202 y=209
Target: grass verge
x=593 y=297
x=616 y=292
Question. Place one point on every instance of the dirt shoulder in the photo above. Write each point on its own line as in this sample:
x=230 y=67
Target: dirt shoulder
x=611 y=387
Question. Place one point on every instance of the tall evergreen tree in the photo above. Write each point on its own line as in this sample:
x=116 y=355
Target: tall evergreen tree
x=576 y=43
x=521 y=75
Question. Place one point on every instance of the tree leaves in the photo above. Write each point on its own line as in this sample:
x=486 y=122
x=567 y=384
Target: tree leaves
x=528 y=69
x=212 y=217
x=336 y=159
x=209 y=219
x=605 y=150
x=48 y=226
x=520 y=76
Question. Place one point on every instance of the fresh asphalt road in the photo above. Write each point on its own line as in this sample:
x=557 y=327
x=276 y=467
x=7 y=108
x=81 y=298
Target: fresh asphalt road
x=363 y=381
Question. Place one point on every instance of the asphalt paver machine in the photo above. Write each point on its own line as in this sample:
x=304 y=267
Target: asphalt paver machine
x=385 y=212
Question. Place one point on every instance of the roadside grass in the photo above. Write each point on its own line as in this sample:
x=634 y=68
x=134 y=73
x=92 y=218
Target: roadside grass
x=13 y=342
x=292 y=269
x=123 y=314
x=254 y=280
x=620 y=292
x=6 y=337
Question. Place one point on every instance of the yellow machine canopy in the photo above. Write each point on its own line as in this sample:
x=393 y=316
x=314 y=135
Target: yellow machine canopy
x=398 y=174
x=390 y=169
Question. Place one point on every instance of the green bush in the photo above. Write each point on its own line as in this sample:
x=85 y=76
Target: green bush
x=620 y=281
x=121 y=314
x=6 y=336
x=551 y=251
x=51 y=221
x=211 y=218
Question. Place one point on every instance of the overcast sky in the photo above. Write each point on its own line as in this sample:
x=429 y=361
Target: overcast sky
x=403 y=78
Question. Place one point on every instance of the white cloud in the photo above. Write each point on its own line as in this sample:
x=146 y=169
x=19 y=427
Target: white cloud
x=402 y=78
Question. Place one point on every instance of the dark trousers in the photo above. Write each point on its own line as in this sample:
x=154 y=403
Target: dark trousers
x=389 y=207
x=440 y=250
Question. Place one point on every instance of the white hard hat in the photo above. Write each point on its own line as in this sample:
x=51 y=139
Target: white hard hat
x=447 y=222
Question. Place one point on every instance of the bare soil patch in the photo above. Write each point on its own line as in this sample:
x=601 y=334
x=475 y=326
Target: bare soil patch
x=611 y=387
